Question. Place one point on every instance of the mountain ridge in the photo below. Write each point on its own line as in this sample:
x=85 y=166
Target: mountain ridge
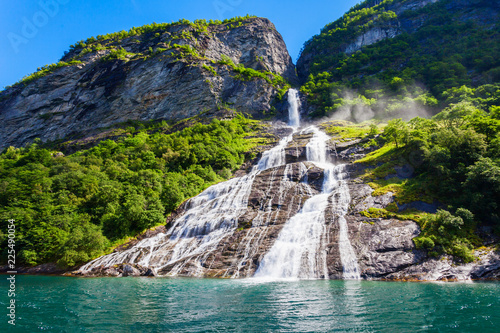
x=395 y=49
x=169 y=73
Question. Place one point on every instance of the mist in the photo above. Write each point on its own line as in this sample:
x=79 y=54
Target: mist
x=357 y=108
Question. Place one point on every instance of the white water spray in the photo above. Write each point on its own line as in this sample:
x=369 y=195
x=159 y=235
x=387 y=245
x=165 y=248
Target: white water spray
x=293 y=108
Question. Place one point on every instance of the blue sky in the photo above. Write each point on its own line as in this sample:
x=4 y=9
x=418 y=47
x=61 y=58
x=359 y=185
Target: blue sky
x=37 y=32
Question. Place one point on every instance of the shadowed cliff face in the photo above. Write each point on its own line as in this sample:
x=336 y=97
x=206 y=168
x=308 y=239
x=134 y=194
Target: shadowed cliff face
x=169 y=84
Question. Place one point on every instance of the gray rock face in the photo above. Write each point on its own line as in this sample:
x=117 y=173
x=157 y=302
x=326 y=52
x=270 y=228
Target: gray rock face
x=392 y=29
x=371 y=37
x=120 y=270
x=487 y=267
x=129 y=270
x=83 y=99
x=382 y=246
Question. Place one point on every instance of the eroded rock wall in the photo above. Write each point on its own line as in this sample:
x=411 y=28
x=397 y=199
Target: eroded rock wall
x=83 y=99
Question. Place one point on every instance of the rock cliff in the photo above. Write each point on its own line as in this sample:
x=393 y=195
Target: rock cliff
x=389 y=19
x=172 y=73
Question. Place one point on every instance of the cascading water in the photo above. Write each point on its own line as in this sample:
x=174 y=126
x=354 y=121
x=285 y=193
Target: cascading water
x=293 y=108
x=210 y=220
x=340 y=204
x=299 y=251
x=210 y=217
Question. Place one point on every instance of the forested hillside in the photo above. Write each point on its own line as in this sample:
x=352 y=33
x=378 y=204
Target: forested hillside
x=412 y=60
x=70 y=209
x=393 y=55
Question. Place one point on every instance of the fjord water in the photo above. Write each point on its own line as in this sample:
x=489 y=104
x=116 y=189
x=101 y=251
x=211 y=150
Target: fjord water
x=61 y=304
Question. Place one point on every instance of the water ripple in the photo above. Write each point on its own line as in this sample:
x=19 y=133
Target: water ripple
x=58 y=304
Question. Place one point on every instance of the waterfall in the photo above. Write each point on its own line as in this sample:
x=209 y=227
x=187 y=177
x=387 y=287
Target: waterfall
x=209 y=218
x=300 y=249
x=208 y=225
x=293 y=108
x=274 y=157
x=340 y=204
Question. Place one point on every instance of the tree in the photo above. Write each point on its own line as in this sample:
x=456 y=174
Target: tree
x=483 y=186
x=84 y=243
x=397 y=131
x=456 y=115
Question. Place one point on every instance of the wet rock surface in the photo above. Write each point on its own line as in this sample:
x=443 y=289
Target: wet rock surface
x=272 y=201
x=118 y=270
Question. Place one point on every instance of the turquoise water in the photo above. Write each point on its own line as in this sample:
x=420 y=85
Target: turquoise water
x=61 y=304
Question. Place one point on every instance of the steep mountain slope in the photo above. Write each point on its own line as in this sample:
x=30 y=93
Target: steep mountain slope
x=392 y=50
x=161 y=71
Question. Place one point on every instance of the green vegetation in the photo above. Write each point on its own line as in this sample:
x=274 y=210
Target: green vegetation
x=246 y=74
x=42 y=71
x=185 y=51
x=446 y=52
x=210 y=69
x=120 y=53
x=345 y=131
x=451 y=65
x=157 y=29
x=454 y=158
x=360 y=18
x=69 y=209
x=414 y=215
x=92 y=48
x=452 y=234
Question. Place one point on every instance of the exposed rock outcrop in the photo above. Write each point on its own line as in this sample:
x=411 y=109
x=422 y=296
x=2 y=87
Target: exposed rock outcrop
x=392 y=28
x=99 y=93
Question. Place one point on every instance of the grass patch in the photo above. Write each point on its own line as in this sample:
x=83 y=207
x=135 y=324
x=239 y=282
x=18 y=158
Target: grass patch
x=342 y=130
x=408 y=214
x=120 y=54
x=45 y=70
x=382 y=155
x=210 y=69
